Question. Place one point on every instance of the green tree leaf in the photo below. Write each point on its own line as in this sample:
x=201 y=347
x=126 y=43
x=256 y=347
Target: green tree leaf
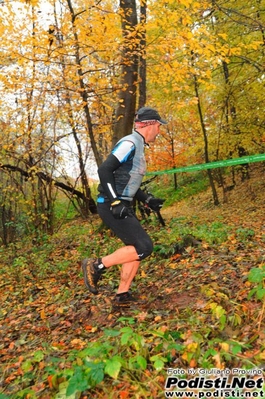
x=159 y=364
x=113 y=366
x=142 y=362
x=38 y=356
x=256 y=275
x=78 y=382
x=260 y=293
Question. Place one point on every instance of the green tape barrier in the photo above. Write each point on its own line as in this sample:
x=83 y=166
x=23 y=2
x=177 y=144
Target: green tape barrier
x=213 y=165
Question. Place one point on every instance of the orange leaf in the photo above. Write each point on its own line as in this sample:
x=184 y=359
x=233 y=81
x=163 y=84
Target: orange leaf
x=42 y=365
x=124 y=394
x=42 y=314
x=193 y=363
x=88 y=328
x=50 y=381
x=11 y=345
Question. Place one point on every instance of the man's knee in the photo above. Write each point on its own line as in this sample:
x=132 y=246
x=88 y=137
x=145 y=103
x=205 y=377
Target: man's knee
x=144 y=248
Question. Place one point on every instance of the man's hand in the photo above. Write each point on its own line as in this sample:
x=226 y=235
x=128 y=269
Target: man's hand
x=155 y=203
x=120 y=211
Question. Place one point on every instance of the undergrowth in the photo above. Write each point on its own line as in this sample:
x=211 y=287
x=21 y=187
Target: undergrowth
x=58 y=342
x=187 y=186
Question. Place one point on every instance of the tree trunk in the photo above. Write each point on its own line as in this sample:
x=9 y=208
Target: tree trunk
x=206 y=153
x=83 y=91
x=125 y=111
x=142 y=56
x=232 y=125
x=88 y=205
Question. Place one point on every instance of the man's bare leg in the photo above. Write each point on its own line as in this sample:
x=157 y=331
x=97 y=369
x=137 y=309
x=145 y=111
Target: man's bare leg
x=128 y=257
x=122 y=255
x=128 y=273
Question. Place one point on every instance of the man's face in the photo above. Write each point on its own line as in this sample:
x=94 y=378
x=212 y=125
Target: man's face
x=154 y=131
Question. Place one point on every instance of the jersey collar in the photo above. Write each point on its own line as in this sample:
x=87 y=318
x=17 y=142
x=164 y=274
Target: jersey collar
x=146 y=144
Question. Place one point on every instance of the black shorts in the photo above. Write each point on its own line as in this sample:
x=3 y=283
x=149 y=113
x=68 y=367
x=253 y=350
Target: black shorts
x=129 y=230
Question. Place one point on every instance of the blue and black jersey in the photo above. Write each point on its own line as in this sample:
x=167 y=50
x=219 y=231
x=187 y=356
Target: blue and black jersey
x=122 y=172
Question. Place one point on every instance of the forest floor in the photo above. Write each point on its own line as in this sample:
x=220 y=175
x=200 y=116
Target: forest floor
x=201 y=291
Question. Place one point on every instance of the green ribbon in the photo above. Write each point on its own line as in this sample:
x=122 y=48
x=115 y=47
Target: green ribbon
x=212 y=165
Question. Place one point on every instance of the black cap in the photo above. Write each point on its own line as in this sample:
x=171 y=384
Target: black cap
x=149 y=114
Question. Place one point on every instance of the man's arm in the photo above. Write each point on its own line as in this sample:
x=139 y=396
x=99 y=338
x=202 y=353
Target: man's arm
x=105 y=173
x=122 y=152
x=141 y=195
